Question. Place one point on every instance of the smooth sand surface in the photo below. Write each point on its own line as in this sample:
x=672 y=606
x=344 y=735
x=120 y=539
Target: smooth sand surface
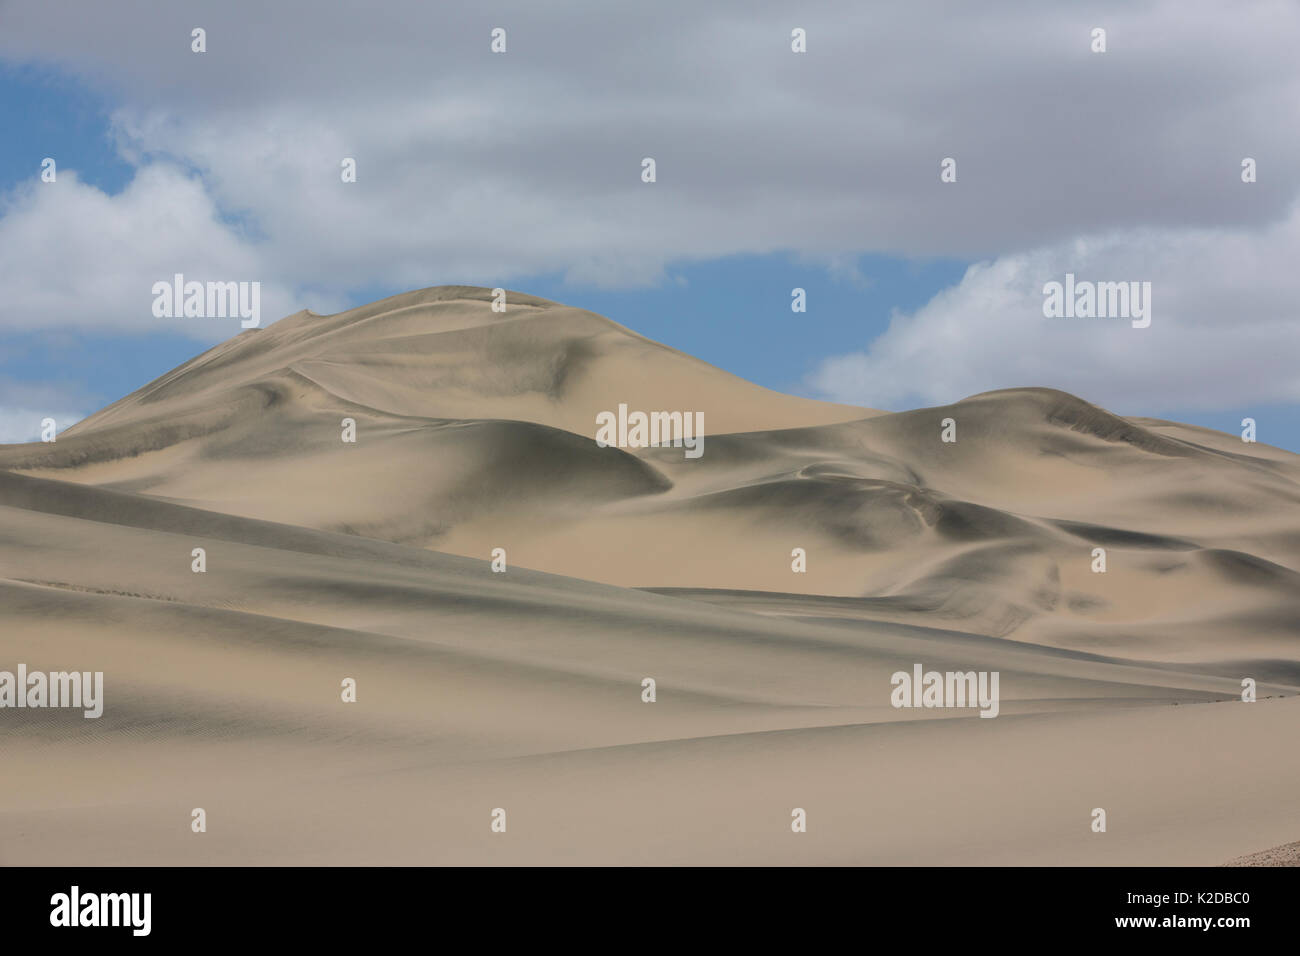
x=523 y=690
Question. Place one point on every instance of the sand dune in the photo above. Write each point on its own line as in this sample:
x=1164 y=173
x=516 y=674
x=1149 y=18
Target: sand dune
x=522 y=689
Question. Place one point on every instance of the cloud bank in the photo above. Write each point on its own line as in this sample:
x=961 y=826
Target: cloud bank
x=491 y=168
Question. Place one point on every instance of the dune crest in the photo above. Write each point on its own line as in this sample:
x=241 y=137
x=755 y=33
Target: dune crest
x=770 y=590
x=476 y=431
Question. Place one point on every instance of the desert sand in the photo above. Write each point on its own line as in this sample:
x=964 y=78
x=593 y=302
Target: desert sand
x=522 y=690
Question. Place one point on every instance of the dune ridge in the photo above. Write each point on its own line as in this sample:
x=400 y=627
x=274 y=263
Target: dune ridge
x=522 y=689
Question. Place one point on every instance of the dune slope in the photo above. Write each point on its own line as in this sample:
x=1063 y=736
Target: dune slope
x=523 y=689
x=475 y=431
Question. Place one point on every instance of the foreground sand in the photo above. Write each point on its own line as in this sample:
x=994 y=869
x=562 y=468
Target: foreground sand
x=1288 y=855
x=522 y=690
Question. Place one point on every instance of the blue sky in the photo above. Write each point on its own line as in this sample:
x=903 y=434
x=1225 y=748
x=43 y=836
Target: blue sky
x=207 y=170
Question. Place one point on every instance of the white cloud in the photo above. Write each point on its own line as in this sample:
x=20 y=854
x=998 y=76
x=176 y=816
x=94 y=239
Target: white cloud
x=483 y=168
x=25 y=405
x=73 y=257
x=1223 y=333
x=24 y=424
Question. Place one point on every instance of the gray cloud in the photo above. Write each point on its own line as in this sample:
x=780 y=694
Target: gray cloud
x=488 y=168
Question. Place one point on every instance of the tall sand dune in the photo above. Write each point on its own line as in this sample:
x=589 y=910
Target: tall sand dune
x=478 y=689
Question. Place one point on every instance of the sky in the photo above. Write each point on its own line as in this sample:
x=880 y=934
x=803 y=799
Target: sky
x=774 y=170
